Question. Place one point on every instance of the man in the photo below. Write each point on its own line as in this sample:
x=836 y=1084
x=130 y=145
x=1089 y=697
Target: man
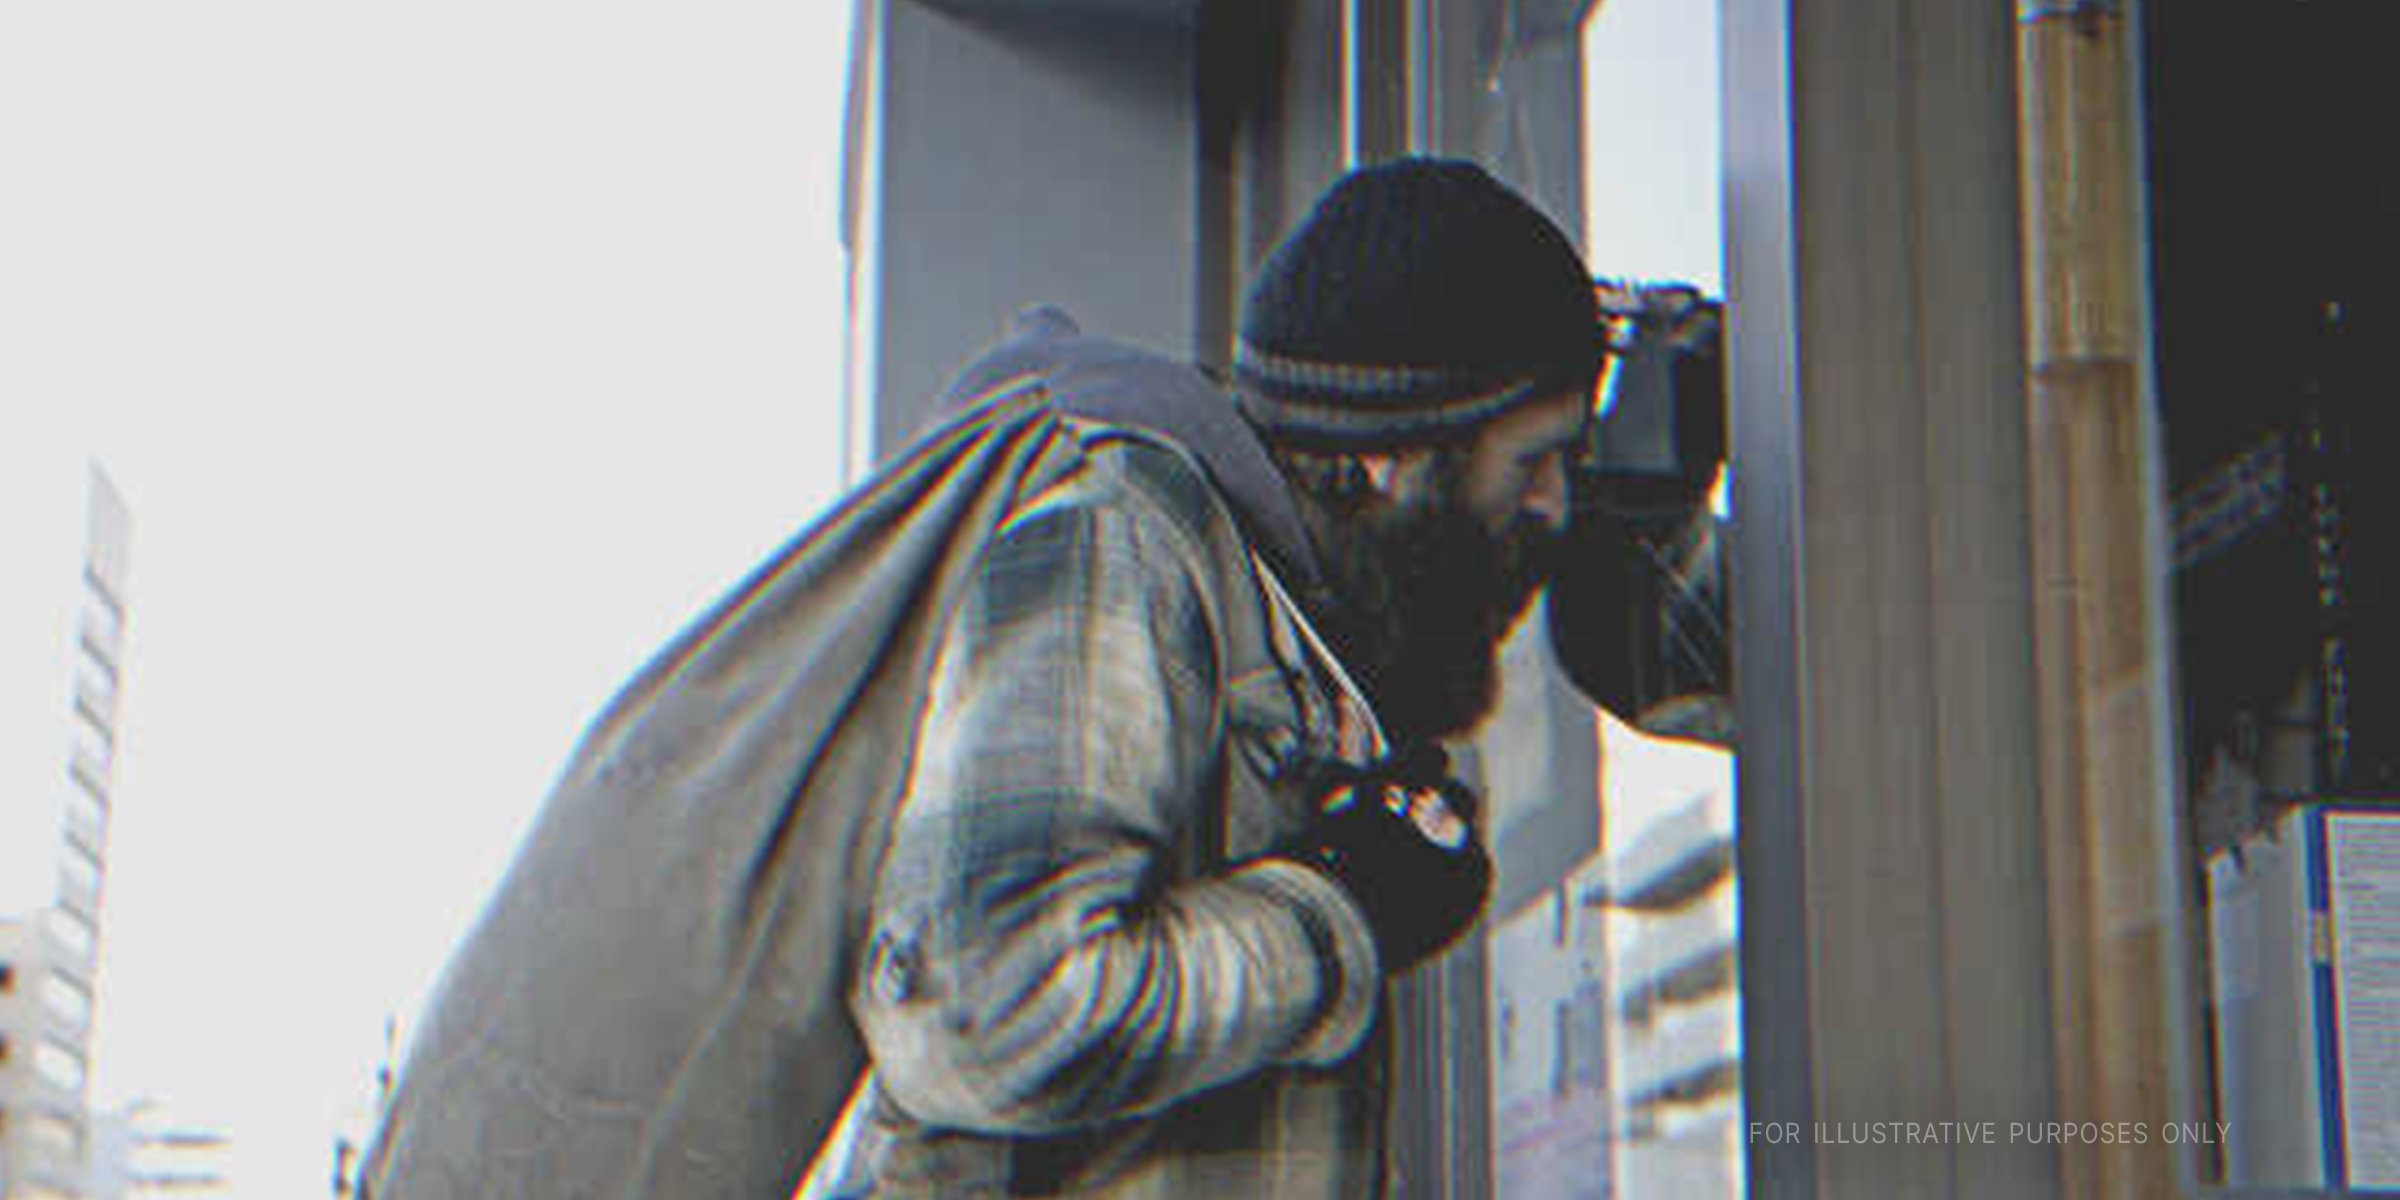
x=1092 y=752
x=1119 y=948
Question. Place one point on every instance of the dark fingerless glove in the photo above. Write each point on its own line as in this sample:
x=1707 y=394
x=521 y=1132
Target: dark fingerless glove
x=1396 y=835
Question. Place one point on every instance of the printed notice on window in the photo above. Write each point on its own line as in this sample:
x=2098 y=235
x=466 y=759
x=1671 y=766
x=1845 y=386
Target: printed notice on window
x=2363 y=868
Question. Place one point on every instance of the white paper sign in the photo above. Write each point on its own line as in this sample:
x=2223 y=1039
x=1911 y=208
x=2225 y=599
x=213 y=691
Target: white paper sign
x=2363 y=871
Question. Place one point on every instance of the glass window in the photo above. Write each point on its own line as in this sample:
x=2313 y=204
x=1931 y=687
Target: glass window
x=58 y=1065
x=77 y=869
x=1547 y=1047
x=85 y=806
x=1615 y=1019
x=73 y=933
x=94 y=749
x=102 y=631
x=67 y=1000
x=1613 y=1004
x=95 y=691
x=57 y=1135
x=1673 y=1019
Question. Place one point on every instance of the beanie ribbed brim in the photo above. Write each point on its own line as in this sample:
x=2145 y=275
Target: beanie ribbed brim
x=1420 y=299
x=1359 y=405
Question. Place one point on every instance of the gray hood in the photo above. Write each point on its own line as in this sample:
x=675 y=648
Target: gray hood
x=1122 y=384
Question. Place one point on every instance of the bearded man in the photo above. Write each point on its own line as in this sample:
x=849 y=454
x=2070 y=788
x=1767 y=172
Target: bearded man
x=1049 y=823
x=1178 y=808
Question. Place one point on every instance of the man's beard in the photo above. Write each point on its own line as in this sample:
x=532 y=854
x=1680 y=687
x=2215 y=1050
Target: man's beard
x=1428 y=594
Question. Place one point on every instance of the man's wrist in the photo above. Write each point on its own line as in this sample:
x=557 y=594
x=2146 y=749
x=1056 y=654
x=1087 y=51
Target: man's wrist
x=1352 y=973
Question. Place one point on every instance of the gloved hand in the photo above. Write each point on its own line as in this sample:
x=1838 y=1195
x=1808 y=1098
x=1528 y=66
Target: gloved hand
x=1397 y=836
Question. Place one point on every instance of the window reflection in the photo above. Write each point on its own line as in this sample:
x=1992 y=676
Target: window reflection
x=1614 y=1002
x=2285 y=559
x=1674 y=1021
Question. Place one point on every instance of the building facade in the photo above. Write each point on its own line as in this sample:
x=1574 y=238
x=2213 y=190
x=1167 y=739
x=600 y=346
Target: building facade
x=49 y=948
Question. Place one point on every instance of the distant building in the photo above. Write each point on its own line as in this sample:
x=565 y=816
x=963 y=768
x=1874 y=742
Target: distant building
x=50 y=927
x=134 y=1153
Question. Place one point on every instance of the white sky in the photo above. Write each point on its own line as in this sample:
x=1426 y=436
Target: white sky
x=41 y=532
x=449 y=355
x=1653 y=203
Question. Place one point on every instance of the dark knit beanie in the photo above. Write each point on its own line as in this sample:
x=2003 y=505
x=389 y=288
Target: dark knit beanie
x=1419 y=299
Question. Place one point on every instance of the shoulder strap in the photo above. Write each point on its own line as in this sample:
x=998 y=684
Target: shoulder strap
x=1360 y=732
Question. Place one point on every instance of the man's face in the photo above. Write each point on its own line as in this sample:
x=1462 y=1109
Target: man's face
x=1444 y=569
x=1516 y=469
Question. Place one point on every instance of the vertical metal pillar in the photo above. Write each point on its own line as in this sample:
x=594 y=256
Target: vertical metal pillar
x=2114 y=847
x=1894 y=954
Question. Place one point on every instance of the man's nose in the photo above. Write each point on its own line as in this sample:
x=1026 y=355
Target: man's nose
x=1546 y=493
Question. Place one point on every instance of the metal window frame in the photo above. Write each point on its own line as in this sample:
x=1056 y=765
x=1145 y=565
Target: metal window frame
x=1895 y=950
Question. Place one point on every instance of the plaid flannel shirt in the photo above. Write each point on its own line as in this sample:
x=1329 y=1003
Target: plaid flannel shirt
x=1083 y=980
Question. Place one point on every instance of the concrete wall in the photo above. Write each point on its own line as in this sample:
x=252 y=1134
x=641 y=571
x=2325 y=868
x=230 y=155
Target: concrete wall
x=1009 y=155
